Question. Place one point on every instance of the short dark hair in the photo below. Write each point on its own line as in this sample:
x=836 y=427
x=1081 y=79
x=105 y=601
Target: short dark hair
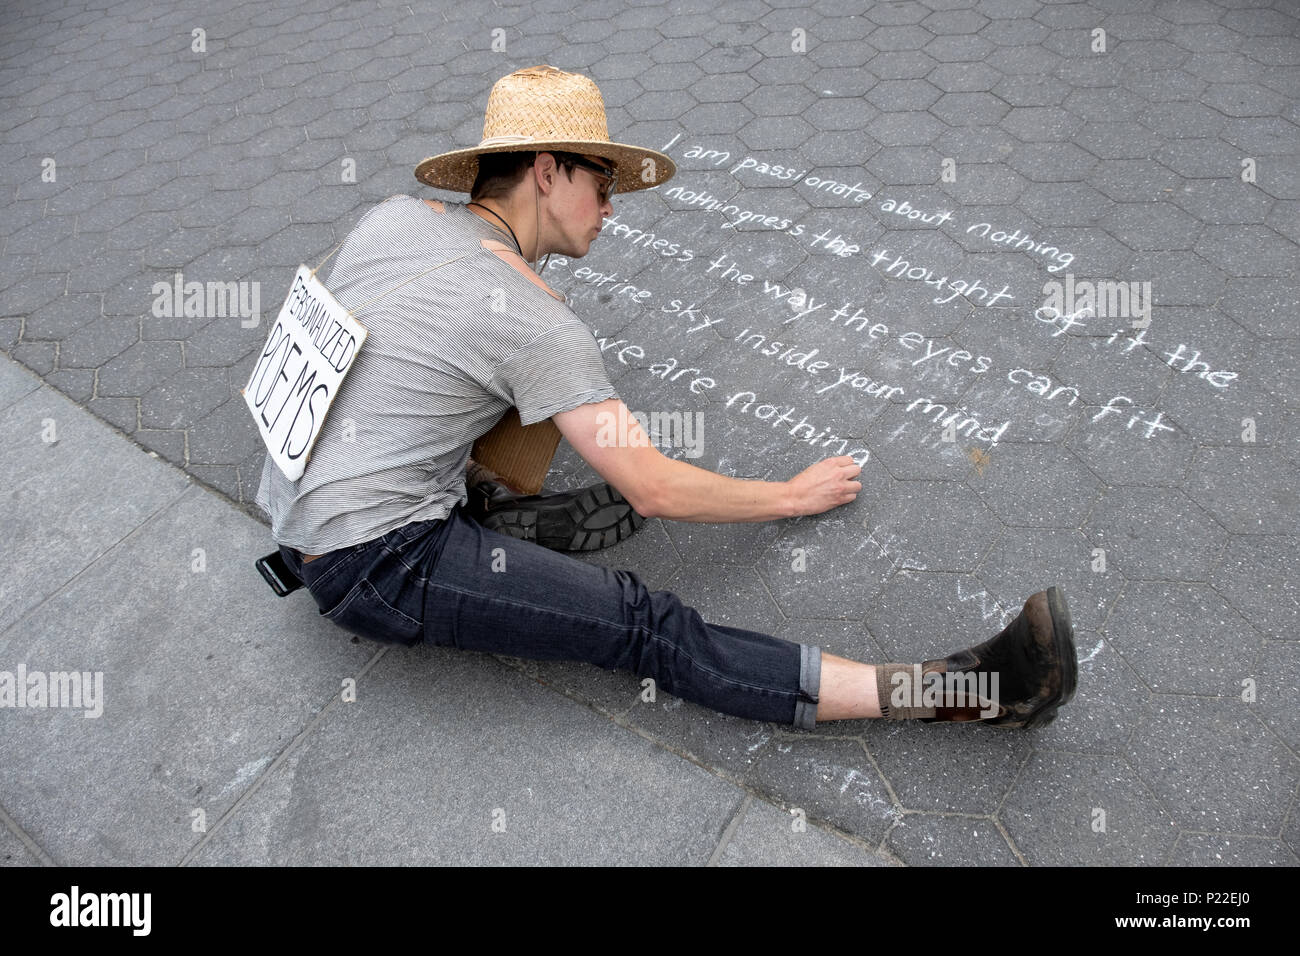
x=498 y=173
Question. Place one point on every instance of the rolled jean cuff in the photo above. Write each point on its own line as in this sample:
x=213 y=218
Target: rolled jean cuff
x=810 y=680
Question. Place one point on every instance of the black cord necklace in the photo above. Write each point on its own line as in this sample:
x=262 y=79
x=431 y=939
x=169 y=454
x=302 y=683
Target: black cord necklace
x=507 y=225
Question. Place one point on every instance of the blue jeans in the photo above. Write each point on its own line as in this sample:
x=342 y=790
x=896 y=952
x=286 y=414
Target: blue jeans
x=451 y=582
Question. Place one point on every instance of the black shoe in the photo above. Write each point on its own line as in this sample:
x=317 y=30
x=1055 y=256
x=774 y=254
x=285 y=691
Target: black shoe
x=1036 y=663
x=586 y=520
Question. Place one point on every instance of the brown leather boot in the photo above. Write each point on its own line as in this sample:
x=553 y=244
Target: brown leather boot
x=1034 y=660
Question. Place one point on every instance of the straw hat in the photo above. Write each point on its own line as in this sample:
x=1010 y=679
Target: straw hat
x=541 y=108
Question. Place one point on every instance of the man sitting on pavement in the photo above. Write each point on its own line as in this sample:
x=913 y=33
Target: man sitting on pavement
x=377 y=526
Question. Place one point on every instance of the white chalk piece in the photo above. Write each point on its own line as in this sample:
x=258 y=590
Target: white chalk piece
x=310 y=349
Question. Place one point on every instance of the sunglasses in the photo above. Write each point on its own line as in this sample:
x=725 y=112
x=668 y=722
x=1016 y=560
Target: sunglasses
x=608 y=177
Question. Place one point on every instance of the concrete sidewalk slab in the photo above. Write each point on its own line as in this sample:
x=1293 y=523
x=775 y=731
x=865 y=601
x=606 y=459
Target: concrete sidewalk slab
x=450 y=757
x=72 y=486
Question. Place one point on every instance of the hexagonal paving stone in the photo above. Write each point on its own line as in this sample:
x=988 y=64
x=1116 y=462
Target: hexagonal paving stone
x=966 y=78
x=1066 y=204
x=1015 y=33
x=1117 y=139
x=990 y=183
x=955 y=22
x=1259 y=575
x=900 y=37
x=1182 y=120
x=1134 y=180
x=1276 y=670
x=828 y=568
x=1222 y=201
x=1054 y=162
x=182 y=399
x=1266 y=136
x=905 y=129
x=1071 y=810
x=939 y=525
x=61 y=317
x=143 y=363
x=950 y=767
x=1248 y=489
x=925 y=839
x=1096 y=368
x=1182 y=639
x=1243 y=99
x=1104 y=103
x=1156 y=534
x=924 y=615
x=830 y=780
x=776 y=133
x=901 y=65
x=1248 y=251
x=907 y=452
x=1114 y=445
x=1035 y=124
x=953 y=49
x=1035 y=485
x=1200 y=158
x=1214 y=766
x=226 y=436
x=969 y=109
x=1178 y=277
x=1152 y=226
x=893 y=95
x=1209 y=849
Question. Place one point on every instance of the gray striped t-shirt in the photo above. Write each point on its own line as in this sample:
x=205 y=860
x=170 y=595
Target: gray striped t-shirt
x=445 y=357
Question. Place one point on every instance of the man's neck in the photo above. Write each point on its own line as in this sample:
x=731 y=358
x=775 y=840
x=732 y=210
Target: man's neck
x=520 y=216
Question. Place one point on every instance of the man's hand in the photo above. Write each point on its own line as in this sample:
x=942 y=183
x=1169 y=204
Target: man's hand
x=825 y=485
x=660 y=487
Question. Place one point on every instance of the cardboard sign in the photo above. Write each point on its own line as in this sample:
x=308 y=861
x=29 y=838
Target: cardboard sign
x=521 y=454
x=297 y=376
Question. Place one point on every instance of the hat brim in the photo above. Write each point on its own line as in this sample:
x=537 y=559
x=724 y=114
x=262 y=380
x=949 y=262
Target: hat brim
x=638 y=167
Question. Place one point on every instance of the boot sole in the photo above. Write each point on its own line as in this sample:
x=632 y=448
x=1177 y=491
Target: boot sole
x=585 y=520
x=1063 y=634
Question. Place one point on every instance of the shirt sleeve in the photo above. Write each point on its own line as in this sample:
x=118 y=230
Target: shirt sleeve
x=557 y=371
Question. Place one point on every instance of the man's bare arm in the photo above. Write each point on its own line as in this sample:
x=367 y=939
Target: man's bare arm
x=609 y=439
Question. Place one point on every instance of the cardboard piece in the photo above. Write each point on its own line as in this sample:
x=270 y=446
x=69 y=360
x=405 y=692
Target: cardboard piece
x=519 y=454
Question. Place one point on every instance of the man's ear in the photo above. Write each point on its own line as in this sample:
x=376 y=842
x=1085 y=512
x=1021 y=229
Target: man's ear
x=545 y=169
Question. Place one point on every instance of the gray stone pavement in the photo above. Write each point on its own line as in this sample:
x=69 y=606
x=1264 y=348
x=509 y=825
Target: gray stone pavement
x=920 y=174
